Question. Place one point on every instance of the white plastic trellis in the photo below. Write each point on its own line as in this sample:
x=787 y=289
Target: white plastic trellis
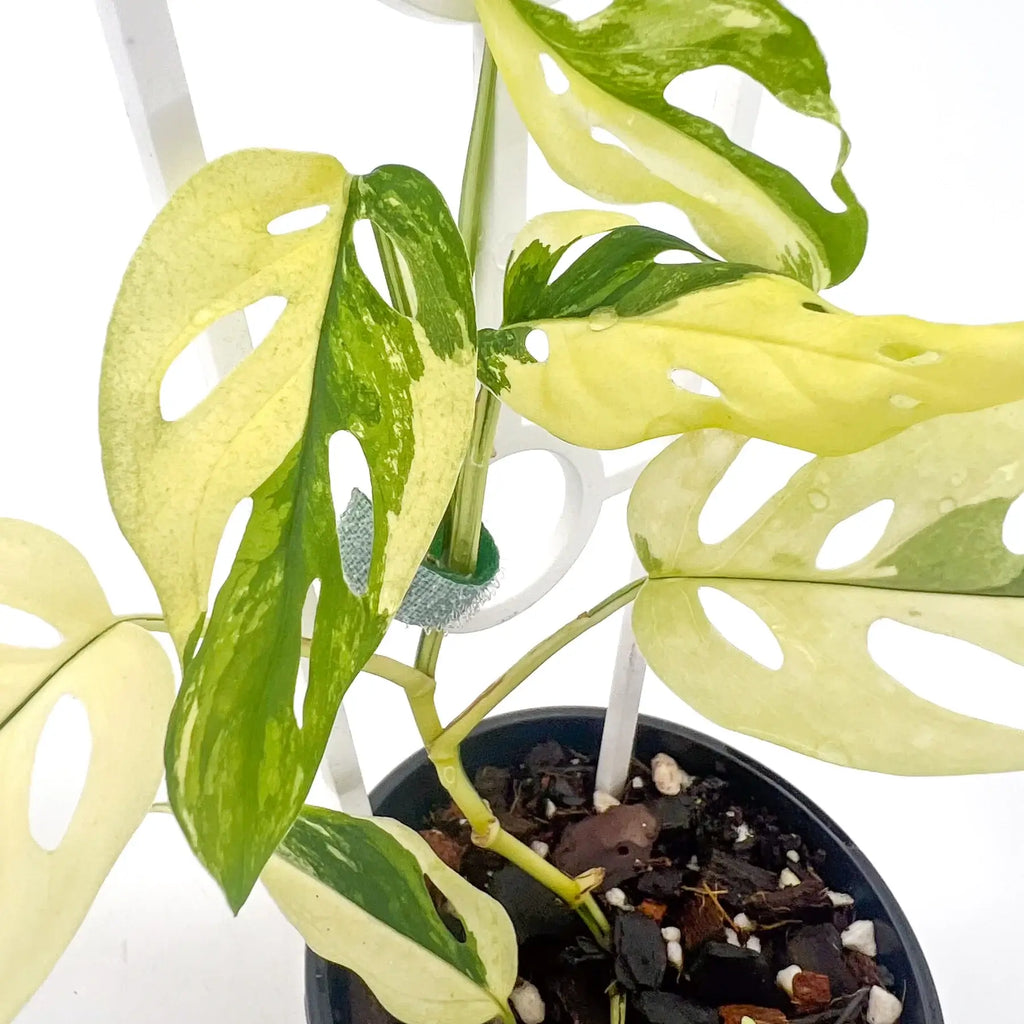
x=144 y=52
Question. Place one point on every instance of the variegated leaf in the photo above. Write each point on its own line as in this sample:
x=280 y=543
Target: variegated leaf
x=356 y=890
x=941 y=565
x=781 y=363
x=123 y=680
x=240 y=759
x=617 y=65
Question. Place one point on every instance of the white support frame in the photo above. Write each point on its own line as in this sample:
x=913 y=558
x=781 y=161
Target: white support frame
x=144 y=52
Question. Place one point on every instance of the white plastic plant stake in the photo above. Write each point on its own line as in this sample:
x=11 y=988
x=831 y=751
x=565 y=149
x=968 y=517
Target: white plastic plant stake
x=144 y=52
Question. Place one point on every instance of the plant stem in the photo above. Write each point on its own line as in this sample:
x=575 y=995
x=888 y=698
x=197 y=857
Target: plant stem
x=472 y=716
x=466 y=507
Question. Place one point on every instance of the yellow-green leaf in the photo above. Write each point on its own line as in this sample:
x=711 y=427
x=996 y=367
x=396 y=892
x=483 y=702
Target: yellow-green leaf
x=123 y=679
x=173 y=485
x=355 y=889
x=242 y=748
x=941 y=565
x=788 y=366
x=616 y=66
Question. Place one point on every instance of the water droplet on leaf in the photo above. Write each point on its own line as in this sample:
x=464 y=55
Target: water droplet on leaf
x=818 y=500
x=603 y=318
x=957 y=479
x=904 y=401
x=946 y=505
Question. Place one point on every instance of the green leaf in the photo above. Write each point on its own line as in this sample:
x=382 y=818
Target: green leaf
x=941 y=566
x=239 y=763
x=618 y=64
x=122 y=677
x=790 y=366
x=355 y=889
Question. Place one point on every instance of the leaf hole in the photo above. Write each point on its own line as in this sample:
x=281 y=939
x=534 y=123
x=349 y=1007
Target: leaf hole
x=951 y=672
x=856 y=536
x=815 y=307
x=368 y=254
x=742 y=627
x=687 y=380
x=607 y=138
x=807 y=147
x=191 y=377
x=59 y=772
x=19 y=628
x=352 y=494
x=227 y=549
x=302 y=676
x=1013 y=527
x=674 y=257
x=911 y=355
x=759 y=471
x=537 y=345
x=580 y=10
x=573 y=253
x=446 y=911
x=298 y=220
x=554 y=76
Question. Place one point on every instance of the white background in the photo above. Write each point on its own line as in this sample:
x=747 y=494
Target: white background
x=930 y=95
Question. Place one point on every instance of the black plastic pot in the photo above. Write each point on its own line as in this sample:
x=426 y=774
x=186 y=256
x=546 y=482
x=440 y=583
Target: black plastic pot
x=410 y=791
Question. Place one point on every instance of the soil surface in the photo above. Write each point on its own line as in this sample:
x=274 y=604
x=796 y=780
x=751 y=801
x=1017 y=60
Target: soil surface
x=708 y=898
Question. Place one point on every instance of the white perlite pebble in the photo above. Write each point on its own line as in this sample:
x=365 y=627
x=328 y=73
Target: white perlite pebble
x=616 y=898
x=793 y=857
x=754 y=943
x=637 y=783
x=540 y=848
x=671 y=934
x=784 y=979
x=743 y=922
x=883 y=1007
x=669 y=778
x=839 y=899
x=744 y=832
x=526 y=1001
x=861 y=937
x=788 y=878
x=692 y=865
x=603 y=801
x=674 y=952
x=549 y=809
x=731 y=937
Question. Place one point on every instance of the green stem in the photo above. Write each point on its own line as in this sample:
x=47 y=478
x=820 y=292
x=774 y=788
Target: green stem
x=466 y=507
x=449 y=740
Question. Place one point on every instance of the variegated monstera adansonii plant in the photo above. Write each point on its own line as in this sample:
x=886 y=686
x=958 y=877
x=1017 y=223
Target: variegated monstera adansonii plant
x=926 y=416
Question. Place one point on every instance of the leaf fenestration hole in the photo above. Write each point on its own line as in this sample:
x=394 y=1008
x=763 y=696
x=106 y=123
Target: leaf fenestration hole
x=350 y=472
x=537 y=345
x=19 y=628
x=934 y=666
x=856 y=536
x=191 y=377
x=807 y=147
x=687 y=380
x=607 y=138
x=674 y=257
x=227 y=549
x=302 y=676
x=742 y=627
x=1013 y=527
x=368 y=254
x=759 y=471
x=573 y=253
x=580 y=10
x=298 y=220
x=814 y=307
x=59 y=772
x=554 y=76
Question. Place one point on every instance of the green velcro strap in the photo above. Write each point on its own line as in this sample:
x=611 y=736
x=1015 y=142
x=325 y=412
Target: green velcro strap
x=437 y=598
